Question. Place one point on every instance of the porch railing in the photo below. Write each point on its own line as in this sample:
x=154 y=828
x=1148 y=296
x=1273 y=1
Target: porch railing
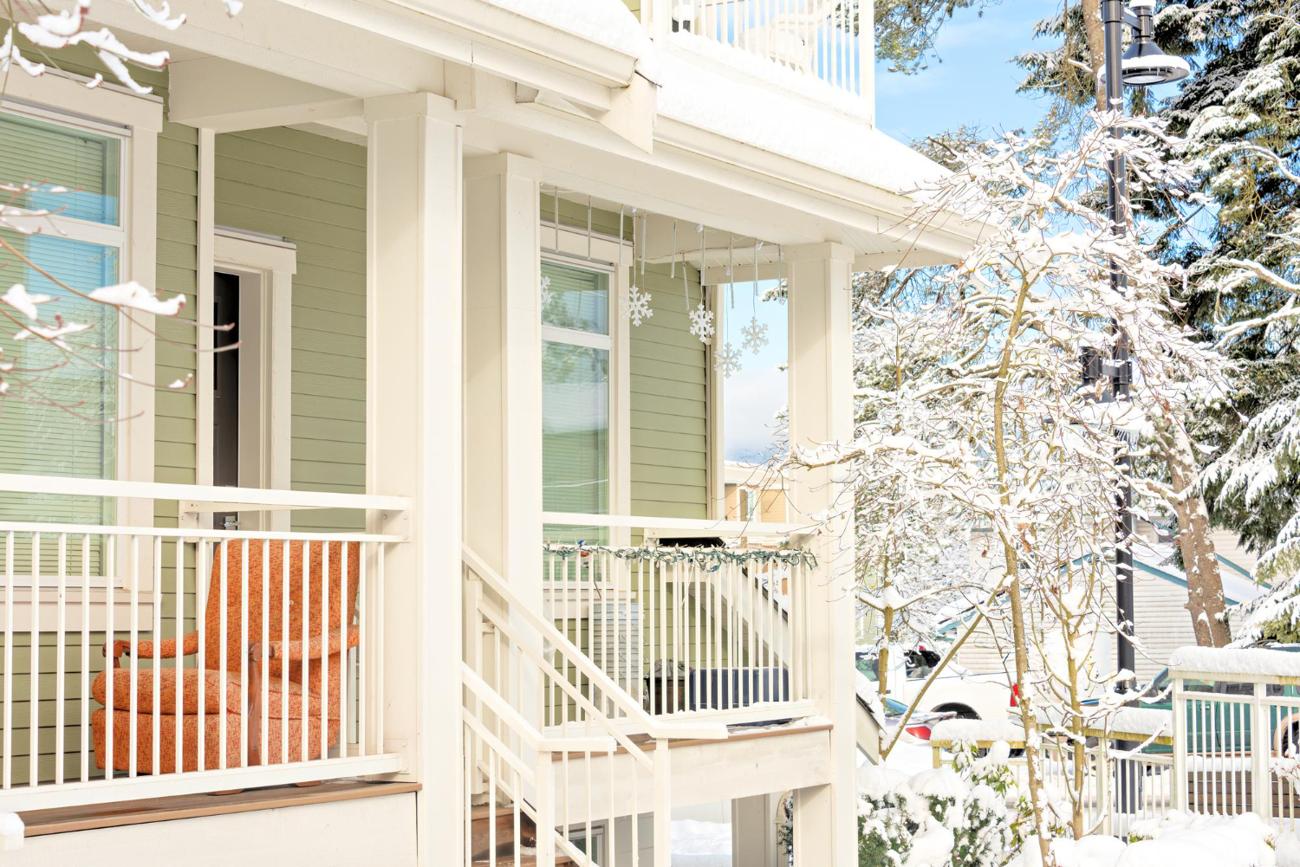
x=691 y=628
x=827 y=40
x=145 y=661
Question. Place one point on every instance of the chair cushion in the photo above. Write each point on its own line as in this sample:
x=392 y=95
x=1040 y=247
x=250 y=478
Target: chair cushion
x=208 y=682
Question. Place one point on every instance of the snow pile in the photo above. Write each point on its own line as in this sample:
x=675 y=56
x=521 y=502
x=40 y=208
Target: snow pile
x=608 y=22
x=1140 y=721
x=978 y=730
x=1250 y=662
x=1178 y=839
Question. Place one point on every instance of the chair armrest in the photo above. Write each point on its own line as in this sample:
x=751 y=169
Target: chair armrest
x=314 y=648
x=147 y=648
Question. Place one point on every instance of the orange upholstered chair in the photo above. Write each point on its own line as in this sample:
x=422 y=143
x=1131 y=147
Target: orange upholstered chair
x=285 y=695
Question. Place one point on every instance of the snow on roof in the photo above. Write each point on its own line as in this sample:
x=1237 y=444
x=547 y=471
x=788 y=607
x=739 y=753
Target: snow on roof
x=1247 y=662
x=1157 y=558
x=608 y=22
x=753 y=103
x=980 y=730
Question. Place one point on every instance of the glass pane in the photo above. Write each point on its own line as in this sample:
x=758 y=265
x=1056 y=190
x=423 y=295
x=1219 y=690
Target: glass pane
x=575 y=431
x=60 y=415
x=575 y=298
x=84 y=164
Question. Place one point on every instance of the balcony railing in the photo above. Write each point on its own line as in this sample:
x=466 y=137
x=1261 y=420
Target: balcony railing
x=828 y=40
x=141 y=662
x=687 y=626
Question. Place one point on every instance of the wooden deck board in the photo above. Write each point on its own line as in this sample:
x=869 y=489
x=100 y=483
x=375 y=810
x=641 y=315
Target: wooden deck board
x=61 y=820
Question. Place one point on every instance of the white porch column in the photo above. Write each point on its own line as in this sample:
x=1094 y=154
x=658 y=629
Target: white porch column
x=821 y=410
x=413 y=441
x=503 y=379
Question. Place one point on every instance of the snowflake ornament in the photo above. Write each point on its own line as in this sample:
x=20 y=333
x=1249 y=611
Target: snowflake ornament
x=702 y=323
x=547 y=294
x=727 y=361
x=755 y=334
x=638 y=306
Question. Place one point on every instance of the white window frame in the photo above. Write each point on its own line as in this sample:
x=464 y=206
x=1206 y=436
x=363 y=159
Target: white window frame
x=577 y=249
x=63 y=99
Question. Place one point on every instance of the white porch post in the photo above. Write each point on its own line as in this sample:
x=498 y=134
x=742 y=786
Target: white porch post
x=503 y=381
x=413 y=441
x=821 y=410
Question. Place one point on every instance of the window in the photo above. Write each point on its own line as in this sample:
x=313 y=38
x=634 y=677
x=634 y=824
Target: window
x=60 y=416
x=576 y=393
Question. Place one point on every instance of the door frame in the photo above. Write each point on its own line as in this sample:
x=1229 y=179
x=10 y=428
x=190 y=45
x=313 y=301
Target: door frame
x=265 y=266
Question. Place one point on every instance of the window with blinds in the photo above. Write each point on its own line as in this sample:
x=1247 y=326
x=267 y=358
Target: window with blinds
x=575 y=395
x=60 y=415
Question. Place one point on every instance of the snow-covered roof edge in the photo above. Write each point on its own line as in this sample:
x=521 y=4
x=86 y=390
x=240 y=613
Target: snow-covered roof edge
x=608 y=22
x=1246 y=664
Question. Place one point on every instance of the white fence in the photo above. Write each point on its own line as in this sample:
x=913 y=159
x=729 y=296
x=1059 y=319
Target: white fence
x=1237 y=745
x=144 y=661
x=827 y=40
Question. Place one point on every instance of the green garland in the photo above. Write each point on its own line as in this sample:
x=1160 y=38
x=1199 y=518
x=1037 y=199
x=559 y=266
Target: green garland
x=710 y=559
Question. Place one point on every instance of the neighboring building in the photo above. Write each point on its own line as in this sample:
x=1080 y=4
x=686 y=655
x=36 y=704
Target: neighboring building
x=755 y=493
x=1160 y=613
x=430 y=221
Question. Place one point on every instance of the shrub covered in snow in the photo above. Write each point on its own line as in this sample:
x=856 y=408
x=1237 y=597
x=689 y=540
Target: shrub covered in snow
x=968 y=815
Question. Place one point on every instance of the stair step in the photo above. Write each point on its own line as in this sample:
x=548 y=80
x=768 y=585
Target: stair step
x=529 y=860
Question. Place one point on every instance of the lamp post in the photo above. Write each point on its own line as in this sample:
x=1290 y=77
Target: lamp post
x=1142 y=65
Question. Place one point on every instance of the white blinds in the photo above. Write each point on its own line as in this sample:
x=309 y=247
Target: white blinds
x=575 y=394
x=60 y=415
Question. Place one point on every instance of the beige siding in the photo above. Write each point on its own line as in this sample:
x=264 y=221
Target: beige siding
x=312 y=191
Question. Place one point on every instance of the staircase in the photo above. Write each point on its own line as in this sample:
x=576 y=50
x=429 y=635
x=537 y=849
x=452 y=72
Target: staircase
x=496 y=833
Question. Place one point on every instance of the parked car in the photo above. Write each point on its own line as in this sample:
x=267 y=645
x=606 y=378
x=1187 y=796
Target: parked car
x=955 y=690
x=889 y=714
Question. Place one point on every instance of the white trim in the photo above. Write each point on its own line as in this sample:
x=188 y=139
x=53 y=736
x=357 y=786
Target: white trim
x=266 y=268
x=206 y=267
x=715 y=409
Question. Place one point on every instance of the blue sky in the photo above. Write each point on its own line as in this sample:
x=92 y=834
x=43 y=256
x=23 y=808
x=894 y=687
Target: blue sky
x=971 y=82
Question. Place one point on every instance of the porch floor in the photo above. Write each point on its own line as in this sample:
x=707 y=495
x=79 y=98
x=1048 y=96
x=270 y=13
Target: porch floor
x=62 y=820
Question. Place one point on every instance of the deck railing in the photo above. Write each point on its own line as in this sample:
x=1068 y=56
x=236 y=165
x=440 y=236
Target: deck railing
x=685 y=625
x=145 y=661
x=826 y=40
x=1237 y=748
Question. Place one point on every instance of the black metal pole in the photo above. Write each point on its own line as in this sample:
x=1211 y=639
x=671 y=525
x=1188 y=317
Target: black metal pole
x=1112 y=16
x=1126 y=783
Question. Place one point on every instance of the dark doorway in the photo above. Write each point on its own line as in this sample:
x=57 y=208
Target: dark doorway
x=225 y=391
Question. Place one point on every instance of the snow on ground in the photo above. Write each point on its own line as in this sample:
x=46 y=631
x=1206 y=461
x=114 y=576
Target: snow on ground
x=1227 y=660
x=974 y=730
x=701 y=844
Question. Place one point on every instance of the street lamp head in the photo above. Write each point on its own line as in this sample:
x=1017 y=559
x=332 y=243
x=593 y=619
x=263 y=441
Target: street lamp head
x=1144 y=63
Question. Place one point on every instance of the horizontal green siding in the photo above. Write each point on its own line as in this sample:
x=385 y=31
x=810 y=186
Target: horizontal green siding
x=311 y=190
x=669 y=402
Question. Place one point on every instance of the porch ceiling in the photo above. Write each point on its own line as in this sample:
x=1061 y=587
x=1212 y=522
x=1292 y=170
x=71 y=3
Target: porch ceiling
x=279 y=64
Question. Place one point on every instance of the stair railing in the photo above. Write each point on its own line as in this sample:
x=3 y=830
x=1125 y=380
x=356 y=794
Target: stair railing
x=512 y=649
x=518 y=781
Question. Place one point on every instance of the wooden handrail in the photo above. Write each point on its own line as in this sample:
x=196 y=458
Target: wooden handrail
x=532 y=737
